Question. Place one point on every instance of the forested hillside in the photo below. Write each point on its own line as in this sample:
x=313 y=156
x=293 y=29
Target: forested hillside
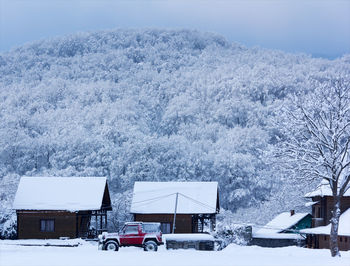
x=152 y=105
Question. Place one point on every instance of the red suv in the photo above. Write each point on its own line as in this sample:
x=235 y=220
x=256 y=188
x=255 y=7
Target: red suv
x=139 y=234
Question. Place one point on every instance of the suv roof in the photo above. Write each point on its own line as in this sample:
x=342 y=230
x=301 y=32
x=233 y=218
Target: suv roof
x=142 y=223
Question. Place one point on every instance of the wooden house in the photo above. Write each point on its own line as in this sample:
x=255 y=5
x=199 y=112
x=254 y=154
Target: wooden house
x=192 y=205
x=53 y=207
x=318 y=237
x=282 y=230
x=322 y=206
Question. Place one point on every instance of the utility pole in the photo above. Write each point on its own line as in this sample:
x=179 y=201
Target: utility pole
x=177 y=196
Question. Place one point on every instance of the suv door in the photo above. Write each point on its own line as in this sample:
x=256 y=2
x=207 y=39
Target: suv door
x=130 y=235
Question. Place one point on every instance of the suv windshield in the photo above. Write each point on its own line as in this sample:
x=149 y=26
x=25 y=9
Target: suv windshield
x=151 y=228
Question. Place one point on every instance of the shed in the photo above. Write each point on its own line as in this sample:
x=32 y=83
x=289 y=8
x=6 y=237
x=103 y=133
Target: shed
x=282 y=230
x=194 y=205
x=53 y=207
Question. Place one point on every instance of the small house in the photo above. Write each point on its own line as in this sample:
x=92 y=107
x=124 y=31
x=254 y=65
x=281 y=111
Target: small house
x=282 y=230
x=53 y=207
x=322 y=206
x=182 y=207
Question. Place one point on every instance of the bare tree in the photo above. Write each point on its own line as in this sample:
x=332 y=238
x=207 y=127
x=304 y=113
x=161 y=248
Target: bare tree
x=316 y=140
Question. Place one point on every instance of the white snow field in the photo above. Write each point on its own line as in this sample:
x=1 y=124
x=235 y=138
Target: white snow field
x=87 y=254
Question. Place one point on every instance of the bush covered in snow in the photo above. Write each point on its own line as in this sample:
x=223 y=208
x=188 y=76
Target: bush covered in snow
x=235 y=233
x=228 y=231
x=8 y=225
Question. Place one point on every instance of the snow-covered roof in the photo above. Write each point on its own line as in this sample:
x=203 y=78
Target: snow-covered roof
x=60 y=193
x=308 y=204
x=277 y=236
x=281 y=222
x=160 y=197
x=343 y=230
x=322 y=190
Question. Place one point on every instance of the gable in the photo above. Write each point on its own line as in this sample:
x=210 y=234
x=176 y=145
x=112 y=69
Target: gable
x=282 y=222
x=61 y=193
x=160 y=197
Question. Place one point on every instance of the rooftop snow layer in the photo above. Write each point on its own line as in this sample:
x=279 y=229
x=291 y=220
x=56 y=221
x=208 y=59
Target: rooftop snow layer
x=60 y=193
x=277 y=236
x=281 y=222
x=343 y=230
x=323 y=190
x=160 y=197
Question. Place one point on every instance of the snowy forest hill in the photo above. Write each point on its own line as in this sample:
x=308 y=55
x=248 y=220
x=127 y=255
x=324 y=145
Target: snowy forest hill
x=153 y=105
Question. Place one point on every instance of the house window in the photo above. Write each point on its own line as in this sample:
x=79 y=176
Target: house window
x=325 y=237
x=318 y=212
x=165 y=228
x=47 y=225
x=346 y=239
x=341 y=239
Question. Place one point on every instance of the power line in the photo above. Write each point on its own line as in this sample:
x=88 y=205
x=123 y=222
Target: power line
x=198 y=202
x=153 y=199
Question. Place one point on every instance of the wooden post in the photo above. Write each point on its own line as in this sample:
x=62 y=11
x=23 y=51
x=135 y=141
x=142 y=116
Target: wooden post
x=214 y=222
x=17 y=225
x=174 y=221
x=106 y=220
x=76 y=225
x=96 y=223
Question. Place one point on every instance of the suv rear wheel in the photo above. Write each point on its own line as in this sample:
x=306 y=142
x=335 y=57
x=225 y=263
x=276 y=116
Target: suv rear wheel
x=150 y=246
x=111 y=245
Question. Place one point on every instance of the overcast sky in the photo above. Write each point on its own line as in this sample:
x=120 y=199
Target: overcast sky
x=318 y=27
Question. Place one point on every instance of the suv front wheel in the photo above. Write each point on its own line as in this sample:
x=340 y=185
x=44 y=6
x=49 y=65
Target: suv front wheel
x=150 y=246
x=111 y=245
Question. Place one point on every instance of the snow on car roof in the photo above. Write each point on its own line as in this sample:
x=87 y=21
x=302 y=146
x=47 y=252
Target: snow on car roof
x=343 y=230
x=160 y=197
x=281 y=222
x=60 y=193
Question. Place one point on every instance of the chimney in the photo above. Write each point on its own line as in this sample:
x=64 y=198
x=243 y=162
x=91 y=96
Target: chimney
x=292 y=212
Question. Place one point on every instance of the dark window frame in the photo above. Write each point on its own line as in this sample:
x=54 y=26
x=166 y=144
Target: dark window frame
x=319 y=212
x=165 y=227
x=46 y=226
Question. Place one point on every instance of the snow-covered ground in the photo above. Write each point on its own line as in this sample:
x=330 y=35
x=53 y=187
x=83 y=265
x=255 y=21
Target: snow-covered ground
x=87 y=254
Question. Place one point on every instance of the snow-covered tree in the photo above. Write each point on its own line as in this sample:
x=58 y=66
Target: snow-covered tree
x=316 y=129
